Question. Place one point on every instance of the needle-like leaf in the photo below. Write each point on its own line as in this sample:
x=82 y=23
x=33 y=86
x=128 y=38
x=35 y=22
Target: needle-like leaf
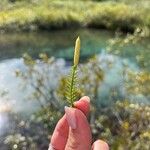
x=71 y=89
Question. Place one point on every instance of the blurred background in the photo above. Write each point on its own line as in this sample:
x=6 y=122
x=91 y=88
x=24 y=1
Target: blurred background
x=36 y=51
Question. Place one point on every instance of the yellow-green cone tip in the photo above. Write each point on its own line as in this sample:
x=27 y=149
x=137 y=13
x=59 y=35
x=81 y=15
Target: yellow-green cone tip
x=77 y=52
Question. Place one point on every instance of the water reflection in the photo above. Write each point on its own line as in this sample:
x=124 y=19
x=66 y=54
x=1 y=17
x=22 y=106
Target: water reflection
x=55 y=43
x=60 y=44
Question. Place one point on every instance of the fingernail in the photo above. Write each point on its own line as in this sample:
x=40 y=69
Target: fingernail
x=99 y=144
x=86 y=98
x=71 y=118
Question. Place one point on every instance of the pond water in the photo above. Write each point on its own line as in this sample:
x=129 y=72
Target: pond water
x=60 y=45
x=54 y=43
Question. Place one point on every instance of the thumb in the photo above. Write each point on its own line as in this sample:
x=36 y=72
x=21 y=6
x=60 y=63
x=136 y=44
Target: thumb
x=79 y=137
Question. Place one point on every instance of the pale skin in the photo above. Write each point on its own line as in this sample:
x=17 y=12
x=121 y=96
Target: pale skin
x=72 y=131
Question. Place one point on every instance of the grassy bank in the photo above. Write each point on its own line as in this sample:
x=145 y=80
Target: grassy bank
x=48 y=14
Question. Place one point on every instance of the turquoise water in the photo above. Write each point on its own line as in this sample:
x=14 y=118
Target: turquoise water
x=55 y=43
x=60 y=44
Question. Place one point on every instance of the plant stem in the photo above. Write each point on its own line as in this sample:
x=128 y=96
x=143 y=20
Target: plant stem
x=72 y=83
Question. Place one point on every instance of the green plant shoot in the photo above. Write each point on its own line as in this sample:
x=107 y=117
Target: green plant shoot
x=71 y=89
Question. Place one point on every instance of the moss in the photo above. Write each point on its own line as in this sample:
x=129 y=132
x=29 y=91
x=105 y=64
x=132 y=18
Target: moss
x=115 y=16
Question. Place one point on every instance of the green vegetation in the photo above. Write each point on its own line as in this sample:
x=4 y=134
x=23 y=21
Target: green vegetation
x=49 y=14
x=71 y=88
x=122 y=123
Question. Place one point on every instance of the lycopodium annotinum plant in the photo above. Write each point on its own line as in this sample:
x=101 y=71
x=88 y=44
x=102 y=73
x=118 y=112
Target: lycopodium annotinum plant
x=71 y=89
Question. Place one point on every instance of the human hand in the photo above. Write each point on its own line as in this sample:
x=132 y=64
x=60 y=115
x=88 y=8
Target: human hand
x=72 y=131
